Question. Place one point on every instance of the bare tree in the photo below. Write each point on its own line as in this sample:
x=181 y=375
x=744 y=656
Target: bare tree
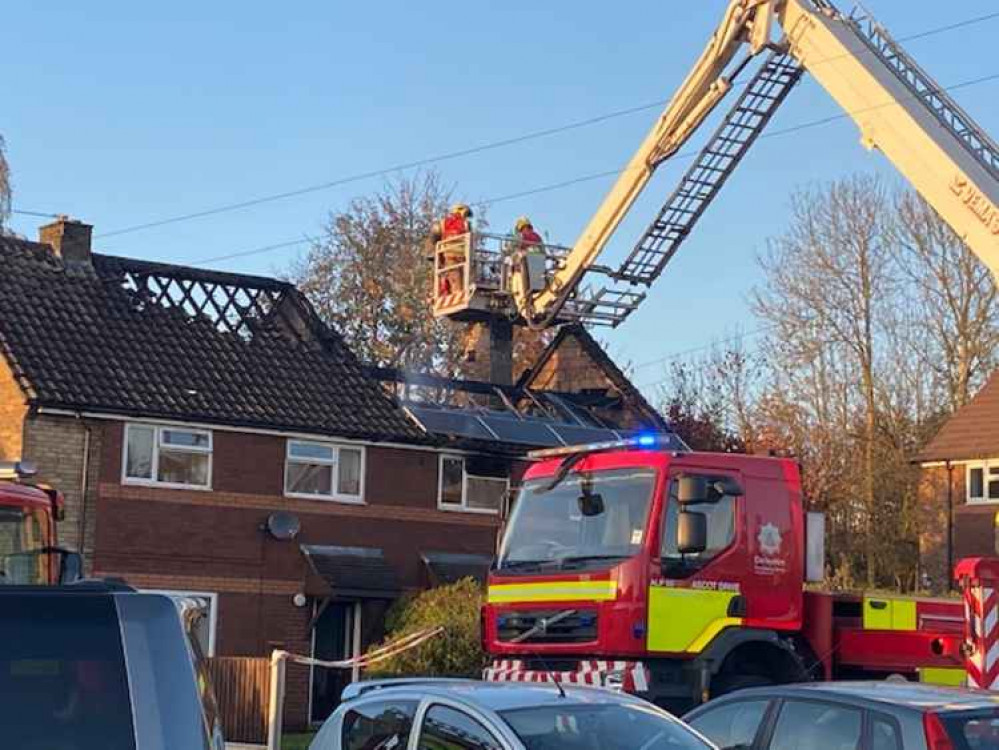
x=368 y=276
x=5 y=187
x=829 y=283
x=955 y=295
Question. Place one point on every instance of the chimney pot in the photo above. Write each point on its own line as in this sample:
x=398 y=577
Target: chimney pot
x=69 y=238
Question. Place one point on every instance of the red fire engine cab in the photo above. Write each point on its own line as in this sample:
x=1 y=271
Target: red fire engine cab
x=681 y=575
x=29 y=554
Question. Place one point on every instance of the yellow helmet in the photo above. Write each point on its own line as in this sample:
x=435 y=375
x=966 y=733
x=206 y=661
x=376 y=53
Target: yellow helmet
x=461 y=209
x=522 y=223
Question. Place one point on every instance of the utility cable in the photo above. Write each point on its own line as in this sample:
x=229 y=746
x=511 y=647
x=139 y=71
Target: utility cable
x=489 y=146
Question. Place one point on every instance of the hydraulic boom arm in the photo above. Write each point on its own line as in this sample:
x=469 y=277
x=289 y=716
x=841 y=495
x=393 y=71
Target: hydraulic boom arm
x=899 y=109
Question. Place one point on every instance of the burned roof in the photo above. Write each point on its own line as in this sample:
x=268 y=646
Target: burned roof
x=973 y=431
x=130 y=337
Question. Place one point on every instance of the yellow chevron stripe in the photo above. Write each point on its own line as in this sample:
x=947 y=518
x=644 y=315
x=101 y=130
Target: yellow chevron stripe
x=554 y=591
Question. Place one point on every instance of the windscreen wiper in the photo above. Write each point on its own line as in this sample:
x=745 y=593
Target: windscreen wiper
x=563 y=471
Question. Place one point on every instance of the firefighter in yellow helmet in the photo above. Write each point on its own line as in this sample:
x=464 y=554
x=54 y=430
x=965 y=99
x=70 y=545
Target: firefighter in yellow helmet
x=528 y=253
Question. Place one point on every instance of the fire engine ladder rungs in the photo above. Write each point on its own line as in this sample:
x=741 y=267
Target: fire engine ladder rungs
x=713 y=166
x=924 y=89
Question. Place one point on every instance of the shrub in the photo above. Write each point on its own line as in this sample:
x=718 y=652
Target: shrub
x=457 y=652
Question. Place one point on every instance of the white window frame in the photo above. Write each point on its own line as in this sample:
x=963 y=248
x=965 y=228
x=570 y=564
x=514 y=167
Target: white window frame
x=157 y=430
x=985 y=466
x=213 y=613
x=335 y=496
x=463 y=507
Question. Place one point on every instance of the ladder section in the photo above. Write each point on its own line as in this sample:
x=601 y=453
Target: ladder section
x=924 y=89
x=712 y=168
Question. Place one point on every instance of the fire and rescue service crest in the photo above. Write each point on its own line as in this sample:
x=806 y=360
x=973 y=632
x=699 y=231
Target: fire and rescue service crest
x=769 y=539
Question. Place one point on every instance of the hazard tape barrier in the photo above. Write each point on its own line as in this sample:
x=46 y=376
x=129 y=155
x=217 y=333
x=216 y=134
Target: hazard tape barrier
x=380 y=654
x=626 y=676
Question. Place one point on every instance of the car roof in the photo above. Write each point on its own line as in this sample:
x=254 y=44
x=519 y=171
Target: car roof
x=914 y=695
x=494 y=696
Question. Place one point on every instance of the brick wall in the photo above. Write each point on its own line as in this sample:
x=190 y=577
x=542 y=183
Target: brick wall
x=61 y=446
x=974 y=526
x=190 y=540
x=12 y=413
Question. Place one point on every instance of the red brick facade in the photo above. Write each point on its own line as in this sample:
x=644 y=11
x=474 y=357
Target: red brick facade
x=212 y=541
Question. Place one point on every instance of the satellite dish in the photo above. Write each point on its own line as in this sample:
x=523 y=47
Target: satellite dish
x=283 y=526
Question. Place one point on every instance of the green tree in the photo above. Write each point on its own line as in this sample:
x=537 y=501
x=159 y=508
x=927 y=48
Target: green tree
x=457 y=652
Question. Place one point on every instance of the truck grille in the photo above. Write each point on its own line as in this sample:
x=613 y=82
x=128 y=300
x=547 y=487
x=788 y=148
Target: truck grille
x=560 y=626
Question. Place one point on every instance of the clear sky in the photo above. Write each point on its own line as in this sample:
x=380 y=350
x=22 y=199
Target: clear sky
x=122 y=113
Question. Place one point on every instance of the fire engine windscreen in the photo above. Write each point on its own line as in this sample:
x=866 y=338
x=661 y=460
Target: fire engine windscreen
x=23 y=536
x=588 y=520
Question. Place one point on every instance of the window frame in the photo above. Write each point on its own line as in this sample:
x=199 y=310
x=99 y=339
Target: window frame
x=771 y=706
x=213 y=610
x=502 y=733
x=158 y=429
x=738 y=509
x=463 y=507
x=773 y=720
x=986 y=466
x=334 y=463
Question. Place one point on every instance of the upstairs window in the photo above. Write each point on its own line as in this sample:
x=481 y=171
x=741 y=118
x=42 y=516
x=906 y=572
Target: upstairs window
x=983 y=481
x=170 y=456
x=324 y=471
x=471 y=486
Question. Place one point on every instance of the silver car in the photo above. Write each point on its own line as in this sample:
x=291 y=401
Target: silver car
x=852 y=716
x=435 y=714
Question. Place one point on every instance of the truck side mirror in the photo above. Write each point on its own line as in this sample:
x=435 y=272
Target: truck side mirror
x=691 y=490
x=692 y=533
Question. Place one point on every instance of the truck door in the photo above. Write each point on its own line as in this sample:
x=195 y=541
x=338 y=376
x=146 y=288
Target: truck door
x=696 y=596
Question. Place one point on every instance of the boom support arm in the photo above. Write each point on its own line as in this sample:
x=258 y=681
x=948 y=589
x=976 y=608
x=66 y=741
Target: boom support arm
x=898 y=108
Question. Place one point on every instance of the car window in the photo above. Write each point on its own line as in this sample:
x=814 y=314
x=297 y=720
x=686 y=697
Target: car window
x=63 y=679
x=884 y=734
x=381 y=725
x=447 y=729
x=733 y=724
x=608 y=726
x=808 y=725
x=973 y=730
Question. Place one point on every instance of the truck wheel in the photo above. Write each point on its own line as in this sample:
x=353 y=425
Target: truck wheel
x=729 y=683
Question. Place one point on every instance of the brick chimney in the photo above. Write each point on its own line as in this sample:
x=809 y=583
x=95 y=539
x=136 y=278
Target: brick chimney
x=69 y=238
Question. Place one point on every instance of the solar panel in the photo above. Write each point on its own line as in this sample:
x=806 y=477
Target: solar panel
x=451 y=422
x=534 y=432
x=573 y=435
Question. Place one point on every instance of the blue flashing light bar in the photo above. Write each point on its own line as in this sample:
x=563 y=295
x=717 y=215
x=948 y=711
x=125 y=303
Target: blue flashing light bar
x=645 y=440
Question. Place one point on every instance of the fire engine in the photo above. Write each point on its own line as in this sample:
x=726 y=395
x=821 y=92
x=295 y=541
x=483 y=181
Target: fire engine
x=681 y=575
x=29 y=554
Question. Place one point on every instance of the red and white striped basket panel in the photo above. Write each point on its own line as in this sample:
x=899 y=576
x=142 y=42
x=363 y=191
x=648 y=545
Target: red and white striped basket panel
x=982 y=610
x=630 y=676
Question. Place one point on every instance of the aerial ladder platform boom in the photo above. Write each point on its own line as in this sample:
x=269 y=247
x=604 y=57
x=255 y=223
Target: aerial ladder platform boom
x=899 y=109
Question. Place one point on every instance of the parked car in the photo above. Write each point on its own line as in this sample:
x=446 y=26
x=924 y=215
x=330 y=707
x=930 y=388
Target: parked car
x=100 y=666
x=851 y=716
x=471 y=715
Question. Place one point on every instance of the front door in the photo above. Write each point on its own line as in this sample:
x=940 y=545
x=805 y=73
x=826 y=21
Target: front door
x=333 y=640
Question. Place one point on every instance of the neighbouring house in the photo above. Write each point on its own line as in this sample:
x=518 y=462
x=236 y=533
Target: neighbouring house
x=212 y=436
x=959 y=487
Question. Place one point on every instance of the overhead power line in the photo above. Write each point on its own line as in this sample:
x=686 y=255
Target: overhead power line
x=679 y=157
x=489 y=146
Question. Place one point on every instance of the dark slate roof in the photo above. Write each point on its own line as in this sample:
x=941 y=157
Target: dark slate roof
x=353 y=571
x=973 y=431
x=153 y=340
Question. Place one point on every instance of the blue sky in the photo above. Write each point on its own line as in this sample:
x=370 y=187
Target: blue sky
x=123 y=113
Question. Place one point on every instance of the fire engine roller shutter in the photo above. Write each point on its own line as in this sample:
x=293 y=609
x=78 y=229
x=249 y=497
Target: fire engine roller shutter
x=359 y=572
x=687 y=620
x=881 y=613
